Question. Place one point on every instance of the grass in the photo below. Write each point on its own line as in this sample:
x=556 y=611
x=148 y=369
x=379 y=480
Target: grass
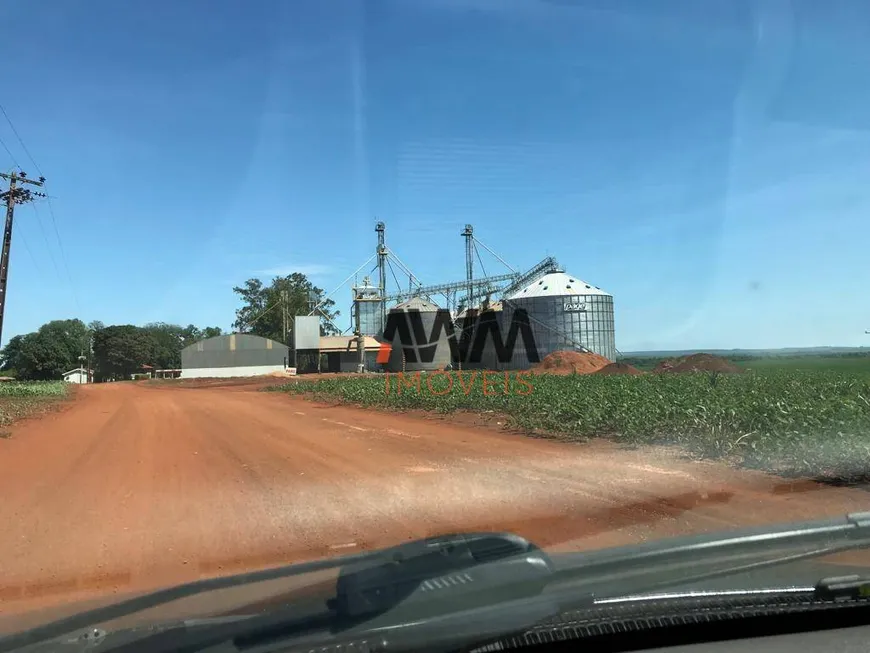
x=808 y=362
x=19 y=399
x=790 y=421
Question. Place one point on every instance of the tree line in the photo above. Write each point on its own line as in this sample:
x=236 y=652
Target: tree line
x=116 y=351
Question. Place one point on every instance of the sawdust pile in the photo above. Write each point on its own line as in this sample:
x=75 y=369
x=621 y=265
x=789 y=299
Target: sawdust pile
x=618 y=368
x=570 y=362
x=699 y=363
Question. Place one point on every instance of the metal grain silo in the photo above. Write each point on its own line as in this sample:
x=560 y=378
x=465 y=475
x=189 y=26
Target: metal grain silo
x=420 y=317
x=469 y=329
x=566 y=313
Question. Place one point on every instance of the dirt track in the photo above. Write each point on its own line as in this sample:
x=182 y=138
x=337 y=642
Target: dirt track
x=135 y=486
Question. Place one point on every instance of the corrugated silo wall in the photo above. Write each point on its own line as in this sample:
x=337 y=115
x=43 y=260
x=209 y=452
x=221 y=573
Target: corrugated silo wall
x=370 y=318
x=442 y=350
x=489 y=358
x=557 y=323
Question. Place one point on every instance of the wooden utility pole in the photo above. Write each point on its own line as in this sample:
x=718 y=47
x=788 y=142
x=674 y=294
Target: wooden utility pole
x=13 y=196
x=285 y=296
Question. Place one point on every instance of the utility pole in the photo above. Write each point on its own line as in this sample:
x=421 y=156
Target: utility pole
x=13 y=196
x=285 y=314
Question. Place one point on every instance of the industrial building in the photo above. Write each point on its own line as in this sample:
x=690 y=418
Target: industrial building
x=233 y=355
x=341 y=353
x=503 y=321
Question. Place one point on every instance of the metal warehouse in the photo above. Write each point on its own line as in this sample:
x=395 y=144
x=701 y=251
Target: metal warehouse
x=237 y=354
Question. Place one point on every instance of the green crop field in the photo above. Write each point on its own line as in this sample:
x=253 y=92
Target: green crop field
x=791 y=421
x=33 y=389
x=809 y=363
x=23 y=398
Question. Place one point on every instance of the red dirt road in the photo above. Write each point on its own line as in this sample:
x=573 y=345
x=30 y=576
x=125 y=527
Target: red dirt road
x=136 y=486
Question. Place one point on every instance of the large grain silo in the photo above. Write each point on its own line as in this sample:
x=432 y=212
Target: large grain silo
x=469 y=327
x=564 y=312
x=419 y=316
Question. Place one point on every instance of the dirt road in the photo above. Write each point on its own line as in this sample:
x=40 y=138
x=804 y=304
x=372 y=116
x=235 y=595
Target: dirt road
x=136 y=486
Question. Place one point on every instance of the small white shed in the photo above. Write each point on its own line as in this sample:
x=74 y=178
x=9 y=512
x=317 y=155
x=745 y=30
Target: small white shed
x=78 y=375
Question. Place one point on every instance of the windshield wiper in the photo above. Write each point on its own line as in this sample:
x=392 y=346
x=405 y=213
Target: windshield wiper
x=453 y=587
x=368 y=583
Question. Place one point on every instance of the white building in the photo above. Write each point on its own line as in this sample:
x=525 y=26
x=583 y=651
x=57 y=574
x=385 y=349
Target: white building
x=79 y=375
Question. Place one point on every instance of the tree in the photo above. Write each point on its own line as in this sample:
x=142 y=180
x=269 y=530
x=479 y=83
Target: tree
x=261 y=312
x=113 y=351
x=167 y=341
x=170 y=339
x=122 y=350
x=47 y=352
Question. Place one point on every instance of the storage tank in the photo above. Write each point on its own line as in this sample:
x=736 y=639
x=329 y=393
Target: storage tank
x=468 y=323
x=420 y=316
x=564 y=312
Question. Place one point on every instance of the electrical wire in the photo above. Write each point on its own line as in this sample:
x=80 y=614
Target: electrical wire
x=20 y=140
x=9 y=152
x=62 y=253
x=17 y=228
x=45 y=238
x=50 y=208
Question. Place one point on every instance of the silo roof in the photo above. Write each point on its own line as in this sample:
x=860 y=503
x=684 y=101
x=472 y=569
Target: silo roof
x=557 y=284
x=493 y=306
x=416 y=304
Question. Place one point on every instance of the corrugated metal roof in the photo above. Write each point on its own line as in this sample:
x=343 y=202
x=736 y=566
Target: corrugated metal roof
x=556 y=284
x=416 y=304
x=346 y=343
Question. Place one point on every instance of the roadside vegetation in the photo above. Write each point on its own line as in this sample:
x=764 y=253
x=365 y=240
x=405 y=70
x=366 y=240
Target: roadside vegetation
x=789 y=421
x=20 y=399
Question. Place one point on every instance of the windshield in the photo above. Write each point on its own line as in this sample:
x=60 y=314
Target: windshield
x=285 y=281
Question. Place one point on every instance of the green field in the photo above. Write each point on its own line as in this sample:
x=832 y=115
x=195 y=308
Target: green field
x=792 y=421
x=809 y=362
x=23 y=398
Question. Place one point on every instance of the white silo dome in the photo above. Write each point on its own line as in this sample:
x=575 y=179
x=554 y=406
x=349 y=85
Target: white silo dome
x=557 y=284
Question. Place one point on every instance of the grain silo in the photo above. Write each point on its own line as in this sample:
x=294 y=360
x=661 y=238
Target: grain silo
x=409 y=327
x=475 y=324
x=565 y=313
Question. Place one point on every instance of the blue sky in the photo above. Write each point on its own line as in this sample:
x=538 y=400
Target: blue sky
x=705 y=162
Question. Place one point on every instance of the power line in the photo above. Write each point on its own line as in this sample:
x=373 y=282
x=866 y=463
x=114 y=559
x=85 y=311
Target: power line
x=72 y=285
x=13 y=196
x=50 y=211
x=20 y=140
x=9 y=152
x=45 y=238
x=20 y=233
